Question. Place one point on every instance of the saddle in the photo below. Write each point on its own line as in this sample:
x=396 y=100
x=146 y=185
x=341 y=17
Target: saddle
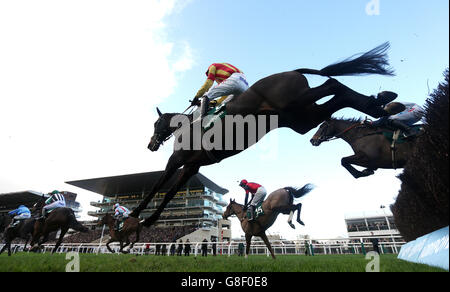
x=397 y=136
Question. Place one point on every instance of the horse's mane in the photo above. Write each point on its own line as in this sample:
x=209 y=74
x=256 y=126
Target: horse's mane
x=351 y=120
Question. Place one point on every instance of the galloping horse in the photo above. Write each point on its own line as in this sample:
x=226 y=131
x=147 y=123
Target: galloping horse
x=131 y=225
x=285 y=95
x=60 y=218
x=280 y=201
x=372 y=149
x=23 y=230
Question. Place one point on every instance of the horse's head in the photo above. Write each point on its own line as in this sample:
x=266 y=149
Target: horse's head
x=107 y=219
x=325 y=132
x=162 y=132
x=229 y=211
x=37 y=207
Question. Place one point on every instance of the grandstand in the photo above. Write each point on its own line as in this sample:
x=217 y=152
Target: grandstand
x=365 y=226
x=10 y=201
x=195 y=212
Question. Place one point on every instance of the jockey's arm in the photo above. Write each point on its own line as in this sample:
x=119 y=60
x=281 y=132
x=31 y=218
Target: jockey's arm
x=208 y=83
x=206 y=86
x=13 y=212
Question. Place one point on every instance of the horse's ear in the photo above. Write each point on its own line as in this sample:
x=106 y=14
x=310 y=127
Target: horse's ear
x=159 y=112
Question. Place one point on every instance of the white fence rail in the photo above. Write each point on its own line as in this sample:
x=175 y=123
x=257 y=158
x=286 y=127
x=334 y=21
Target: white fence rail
x=314 y=246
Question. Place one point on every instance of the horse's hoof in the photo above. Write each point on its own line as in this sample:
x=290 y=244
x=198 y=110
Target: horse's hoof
x=301 y=223
x=292 y=225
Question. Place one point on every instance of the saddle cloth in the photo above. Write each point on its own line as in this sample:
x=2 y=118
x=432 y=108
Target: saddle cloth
x=258 y=211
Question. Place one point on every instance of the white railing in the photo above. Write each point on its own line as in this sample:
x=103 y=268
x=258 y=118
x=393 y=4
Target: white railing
x=316 y=247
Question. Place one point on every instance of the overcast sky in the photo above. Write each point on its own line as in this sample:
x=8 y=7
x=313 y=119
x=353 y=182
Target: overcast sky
x=80 y=80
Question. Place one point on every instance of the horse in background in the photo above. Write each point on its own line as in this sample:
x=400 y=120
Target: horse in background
x=373 y=147
x=59 y=219
x=278 y=202
x=24 y=230
x=130 y=225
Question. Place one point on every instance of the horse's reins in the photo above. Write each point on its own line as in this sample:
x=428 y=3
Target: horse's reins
x=161 y=141
x=337 y=136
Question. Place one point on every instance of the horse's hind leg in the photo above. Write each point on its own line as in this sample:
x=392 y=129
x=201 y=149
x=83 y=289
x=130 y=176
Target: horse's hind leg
x=61 y=236
x=137 y=238
x=343 y=97
x=299 y=210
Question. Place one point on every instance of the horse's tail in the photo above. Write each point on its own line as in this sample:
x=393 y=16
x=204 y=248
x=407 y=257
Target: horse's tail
x=74 y=224
x=298 y=193
x=371 y=62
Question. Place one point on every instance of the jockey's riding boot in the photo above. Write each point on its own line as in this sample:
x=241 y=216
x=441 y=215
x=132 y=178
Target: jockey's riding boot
x=250 y=209
x=204 y=107
x=407 y=131
x=117 y=225
x=385 y=97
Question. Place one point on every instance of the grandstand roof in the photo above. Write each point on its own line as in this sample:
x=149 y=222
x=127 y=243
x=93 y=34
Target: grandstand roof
x=140 y=183
x=10 y=201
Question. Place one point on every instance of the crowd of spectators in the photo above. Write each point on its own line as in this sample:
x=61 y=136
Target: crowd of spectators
x=371 y=226
x=152 y=234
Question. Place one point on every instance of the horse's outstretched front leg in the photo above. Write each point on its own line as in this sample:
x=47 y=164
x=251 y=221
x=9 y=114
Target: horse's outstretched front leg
x=186 y=173
x=108 y=247
x=4 y=247
x=266 y=241
x=356 y=159
x=248 y=239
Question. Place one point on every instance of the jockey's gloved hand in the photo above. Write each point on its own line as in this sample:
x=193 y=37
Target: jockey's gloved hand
x=195 y=101
x=366 y=122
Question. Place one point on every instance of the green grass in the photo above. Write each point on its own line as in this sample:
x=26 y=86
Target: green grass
x=29 y=262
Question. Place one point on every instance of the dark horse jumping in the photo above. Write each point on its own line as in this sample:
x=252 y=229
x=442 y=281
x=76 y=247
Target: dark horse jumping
x=372 y=148
x=22 y=230
x=280 y=201
x=131 y=225
x=285 y=95
x=60 y=218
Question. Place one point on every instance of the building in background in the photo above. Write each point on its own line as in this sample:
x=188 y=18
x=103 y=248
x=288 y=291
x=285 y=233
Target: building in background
x=199 y=203
x=380 y=225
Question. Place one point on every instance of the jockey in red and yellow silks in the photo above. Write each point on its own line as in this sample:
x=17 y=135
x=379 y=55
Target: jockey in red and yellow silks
x=230 y=82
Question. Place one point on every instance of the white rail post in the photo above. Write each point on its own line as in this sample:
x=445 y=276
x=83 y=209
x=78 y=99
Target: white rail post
x=101 y=239
x=196 y=249
x=229 y=248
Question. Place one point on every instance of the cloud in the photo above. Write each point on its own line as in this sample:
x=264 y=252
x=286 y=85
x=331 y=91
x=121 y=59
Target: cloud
x=79 y=84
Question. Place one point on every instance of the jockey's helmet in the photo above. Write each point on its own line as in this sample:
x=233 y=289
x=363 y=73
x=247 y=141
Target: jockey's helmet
x=116 y=205
x=243 y=182
x=394 y=108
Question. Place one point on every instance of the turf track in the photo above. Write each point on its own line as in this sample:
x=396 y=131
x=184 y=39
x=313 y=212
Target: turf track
x=28 y=262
